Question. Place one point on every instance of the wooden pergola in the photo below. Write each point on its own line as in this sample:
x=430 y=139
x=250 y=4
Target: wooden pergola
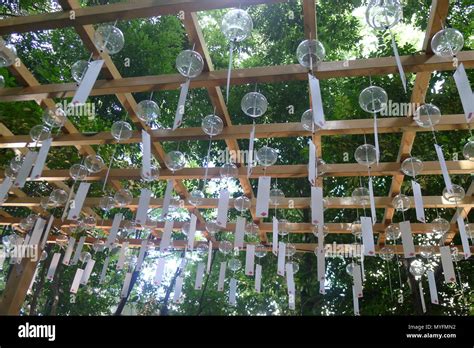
x=423 y=64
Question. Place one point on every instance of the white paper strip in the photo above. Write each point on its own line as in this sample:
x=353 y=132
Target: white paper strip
x=258 y=278
x=232 y=291
x=422 y=297
x=30 y=288
x=167 y=198
x=367 y=236
x=447 y=262
x=114 y=229
x=87 y=82
x=104 y=270
x=37 y=232
x=373 y=212
x=316 y=101
x=146 y=158
x=281 y=258
x=399 y=63
x=250 y=154
x=143 y=206
x=160 y=267
x=192 y=232
x=178 y=118
x=250 y=260
x=52 y=266
x=4 y=188
x=177 y=289
x=141 y=254
x=46 y=232
x=166 y=236
x=433 y=289
x=121 y=259
x=77 y=281
x=239 y=232
x=263 y=196
x=376 y=140
x=321 y=263
x=41 y=159
x=69 y=249
x=220 y=284
x=465 y=92
x=312 y=163
x=420 y=211
x=407 y=239
x=444 y=168
x=199 y=275
x=77 y=253
x=222 y=208
x=25 y=168
x=209 y=257
x=126 y=285
x=81 y=194
x=322 y=287
x=355 y=301
x=87 y=271
x=275 y=236
x=317 y=209
x=357 y=276
x=290 y=283
x=464 y=239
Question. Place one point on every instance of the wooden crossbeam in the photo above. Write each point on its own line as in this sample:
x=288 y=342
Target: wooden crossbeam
x=270 y=74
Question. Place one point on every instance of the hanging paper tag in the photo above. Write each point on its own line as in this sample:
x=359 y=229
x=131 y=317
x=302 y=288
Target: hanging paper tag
x=367 y=236
x=355 y=299
x=199 y=276
x=167 y=198
x=220 y=284
x=114 y=230
x=321 y=260
x=447 y=262
x=250 y=153
x=222 y=208
x=399 y=63
x=281 y=258
x=317 y=209
x=178 y=118
x=104 y=270
x=322 y=287
x=141 y=254
x=232 y=291
x=166 y=236
x=87 y=271
x=239 y=232
x=77 y=281
x=420 y=211
x=209 y=256
x=464 y=239
x=258 y=278
x=290 y=283
x=121 y=259
x=250 y=260
x=357 y=275
x=78 y=251
x=465 y=92
x=146 y=158
x=316 y=101
x=37 y=232
x=362 y=264
x=177 y=289
x=433 y=289
x=41 y=159
x=192 y=232
x=372 y=202
x=69 y=249
x=87 y=82
x=4 y=188
x=126 y=285
x=422 y=297
x=160 y=267
x=275 y=236
x=444 y=168
x=69 y=203
x=312 y=163
x=263 y=196
x=25 y=169
x=81 y=194
x=52 y=266
x=30 y=288
x=143 y=206
x=407 y=239
x=231 y=51
x=46 y=232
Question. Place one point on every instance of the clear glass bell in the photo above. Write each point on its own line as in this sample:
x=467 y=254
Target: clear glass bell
x=427 y=251
x=412 y=166
x=10 y=173
x=2 y=82
x=175 y=160
x=106 y=203
x=123 y=197
x=294 y=265
x=16 y=163
x=228 y=170
x=242 y=203
x=383 y=14
x=260 y=250
x=316 y=230
x=189 y=63
x=212 y=125
x=85 y=257
x=427 y=116
x=54 y=118
x=225 y=247
x=447 y=42
x=470 y=230
x=456 y=195
x=417 y=268
x=196 y=197
x=356 y=228
x=109 y=38
x=401 y=202
x=254 y=104
x=350 y=268
x=234 y=264
x=456 y=255
x=468 y=150
x=361 y=196
x=7 y=54
x=366 y=155
x=212 y=227
x=78 y=172
x=252 y=229
x=386 y=253
x=153 y=175
x=310 y=53
x=148 y=111
x=94 y=163
x=40 y=133
x=373 y=99
x=25 y=225
x=307 y=121
x=121 y=130
x=58 y=197
x=45 y=202
x=440 y=226
x=290 y=249
x=283 y=227
x=266 y=156
x=393 y=232
x=78 y=70
x=236 y=25
x=276 y=196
